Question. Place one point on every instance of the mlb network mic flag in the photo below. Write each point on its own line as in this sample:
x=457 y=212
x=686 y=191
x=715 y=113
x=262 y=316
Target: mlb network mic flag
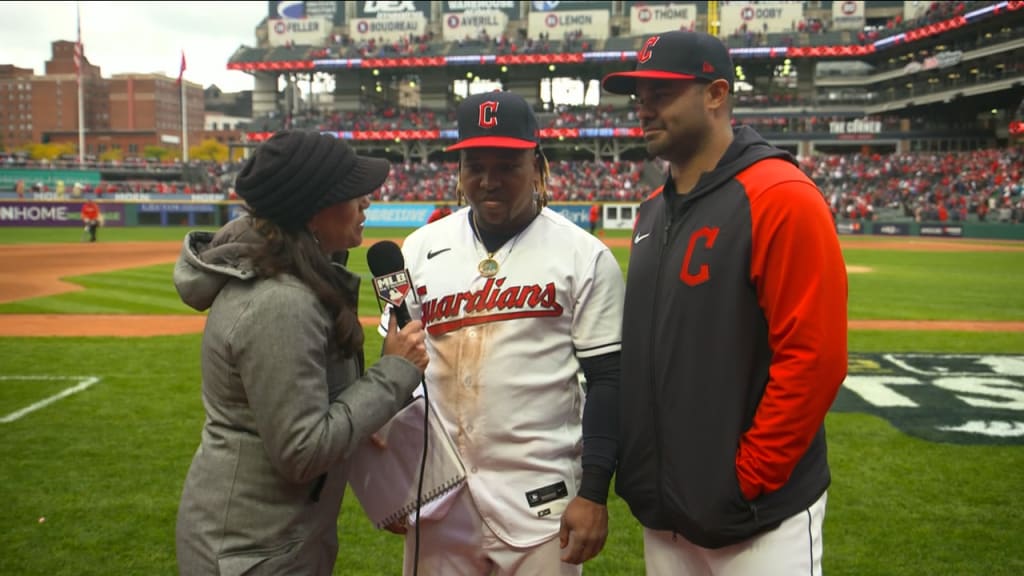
x=392 y=288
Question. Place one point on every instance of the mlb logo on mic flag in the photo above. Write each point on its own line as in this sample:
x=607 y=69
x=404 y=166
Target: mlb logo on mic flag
x=392 y=288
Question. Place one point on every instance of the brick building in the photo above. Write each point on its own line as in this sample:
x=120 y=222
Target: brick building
x=126 y=112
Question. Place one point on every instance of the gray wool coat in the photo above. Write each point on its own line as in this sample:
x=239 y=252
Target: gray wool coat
x=283 y=412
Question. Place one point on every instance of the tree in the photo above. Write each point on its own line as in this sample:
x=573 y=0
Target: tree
x=51 y=151
x=209 y=150
x=158 y=152
x=112 y=155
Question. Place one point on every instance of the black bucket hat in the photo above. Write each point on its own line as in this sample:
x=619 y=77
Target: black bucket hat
x=295 y=174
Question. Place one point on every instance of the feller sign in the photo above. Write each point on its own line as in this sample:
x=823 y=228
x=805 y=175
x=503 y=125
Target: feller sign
x=770 y=17
x=463 y=25
x=307 y=31
x=848 y=15
x=593 y=23
x=645 y=20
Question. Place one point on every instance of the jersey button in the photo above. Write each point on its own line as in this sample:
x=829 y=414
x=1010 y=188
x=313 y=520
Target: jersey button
x=472 y=333
x=473 y=469
x=469 y=428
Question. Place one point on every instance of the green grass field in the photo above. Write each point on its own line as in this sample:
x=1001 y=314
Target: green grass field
x=91 y=482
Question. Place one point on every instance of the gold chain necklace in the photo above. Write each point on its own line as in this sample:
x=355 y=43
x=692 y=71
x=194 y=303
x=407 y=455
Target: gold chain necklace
x=489 y=267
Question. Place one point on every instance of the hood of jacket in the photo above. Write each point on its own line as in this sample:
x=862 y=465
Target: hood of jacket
x=209 y=260
x=747 y=148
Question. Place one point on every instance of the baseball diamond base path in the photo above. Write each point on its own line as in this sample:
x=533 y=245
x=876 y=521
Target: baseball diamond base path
x=35 y=270
x=30 y=325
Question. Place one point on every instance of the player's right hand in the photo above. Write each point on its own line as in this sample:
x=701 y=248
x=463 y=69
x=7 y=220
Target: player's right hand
x=410 y=342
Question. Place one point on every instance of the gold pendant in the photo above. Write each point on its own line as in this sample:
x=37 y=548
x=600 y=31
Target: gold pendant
x=488 y=267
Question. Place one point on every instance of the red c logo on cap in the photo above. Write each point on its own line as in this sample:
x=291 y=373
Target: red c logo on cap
x=645 y=52
x=488 y=114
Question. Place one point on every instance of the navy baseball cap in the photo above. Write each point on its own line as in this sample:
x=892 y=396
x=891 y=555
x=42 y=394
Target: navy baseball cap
x=675 y=55
x=495 y=120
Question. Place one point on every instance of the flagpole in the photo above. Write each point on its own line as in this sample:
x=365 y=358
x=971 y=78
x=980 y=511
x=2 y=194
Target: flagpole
x=81 y=96
x=184 y=123
x=184 y=111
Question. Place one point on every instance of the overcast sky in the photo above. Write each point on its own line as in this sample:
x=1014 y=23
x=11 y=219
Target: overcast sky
x=136 y=36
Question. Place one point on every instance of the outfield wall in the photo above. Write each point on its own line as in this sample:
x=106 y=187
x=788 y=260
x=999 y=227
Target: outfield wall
x=201 y=211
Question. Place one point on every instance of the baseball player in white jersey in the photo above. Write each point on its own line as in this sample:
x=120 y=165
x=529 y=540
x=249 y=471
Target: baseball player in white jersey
x=516 y=300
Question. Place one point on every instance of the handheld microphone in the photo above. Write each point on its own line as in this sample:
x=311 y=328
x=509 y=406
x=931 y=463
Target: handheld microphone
x=390 y=278
x=392 y=284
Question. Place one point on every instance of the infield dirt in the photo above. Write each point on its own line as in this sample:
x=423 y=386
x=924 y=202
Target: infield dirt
x=35 y=270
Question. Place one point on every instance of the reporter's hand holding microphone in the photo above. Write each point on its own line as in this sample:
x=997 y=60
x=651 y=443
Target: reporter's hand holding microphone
x=409 y=342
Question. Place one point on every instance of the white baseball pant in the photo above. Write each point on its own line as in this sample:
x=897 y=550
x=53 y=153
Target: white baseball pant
x=792 y=549
x=462 y=544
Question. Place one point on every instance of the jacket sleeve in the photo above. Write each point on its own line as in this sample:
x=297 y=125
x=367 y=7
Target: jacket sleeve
x=280 y=344
x=797 y=268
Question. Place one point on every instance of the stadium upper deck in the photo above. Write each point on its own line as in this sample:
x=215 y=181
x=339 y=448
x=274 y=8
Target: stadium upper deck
x=860 y=66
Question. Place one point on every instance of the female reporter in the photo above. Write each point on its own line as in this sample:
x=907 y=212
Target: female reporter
x=284 y=387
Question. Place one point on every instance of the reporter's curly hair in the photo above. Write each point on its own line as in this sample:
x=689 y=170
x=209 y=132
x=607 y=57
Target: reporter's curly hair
x=297 y=252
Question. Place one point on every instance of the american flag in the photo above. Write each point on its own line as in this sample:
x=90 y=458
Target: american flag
x=181 y=72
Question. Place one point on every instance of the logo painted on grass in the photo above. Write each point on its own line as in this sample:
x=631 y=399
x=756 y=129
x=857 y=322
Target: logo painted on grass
x=956 y=398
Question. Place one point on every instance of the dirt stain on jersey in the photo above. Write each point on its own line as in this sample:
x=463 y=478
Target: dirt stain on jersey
x=462 y=356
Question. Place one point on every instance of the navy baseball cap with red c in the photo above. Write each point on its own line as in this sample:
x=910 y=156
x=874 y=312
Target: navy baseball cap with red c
x=675 y=55
x=495 y=120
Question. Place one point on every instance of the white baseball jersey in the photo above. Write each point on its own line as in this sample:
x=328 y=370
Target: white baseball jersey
x=503 y=357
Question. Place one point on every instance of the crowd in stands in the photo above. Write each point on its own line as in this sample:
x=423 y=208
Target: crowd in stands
x=604 y=180
x=607 y=116
x=983 y=185
x=928 y=187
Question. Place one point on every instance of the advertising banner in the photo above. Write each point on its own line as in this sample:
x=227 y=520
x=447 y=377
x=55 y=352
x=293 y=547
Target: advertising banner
x=654 y=19
x=893 y=229
x=771 y=17
x=853 y=227
x=397 y=216
x=368 y=9
x=578 y=214
x=55 y=214
x=848 y=15
x=333 y=10
x=942 y=230
x=593 y=23
x=392 y=28
x=463 y=25
x=509 y=7
x=569 y=5
x=304 y=32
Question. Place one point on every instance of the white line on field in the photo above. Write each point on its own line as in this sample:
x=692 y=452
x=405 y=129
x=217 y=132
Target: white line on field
x=84 y=382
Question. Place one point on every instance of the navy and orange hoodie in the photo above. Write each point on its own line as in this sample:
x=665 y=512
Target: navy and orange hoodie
x=734 y=347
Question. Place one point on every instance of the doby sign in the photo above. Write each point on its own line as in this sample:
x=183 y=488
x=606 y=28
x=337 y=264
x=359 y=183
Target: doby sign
x=766 y=16
x=462 y=25
x=655 y=19
x=593 y=23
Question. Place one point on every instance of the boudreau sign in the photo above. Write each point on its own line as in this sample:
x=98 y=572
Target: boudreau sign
x=390 y=28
